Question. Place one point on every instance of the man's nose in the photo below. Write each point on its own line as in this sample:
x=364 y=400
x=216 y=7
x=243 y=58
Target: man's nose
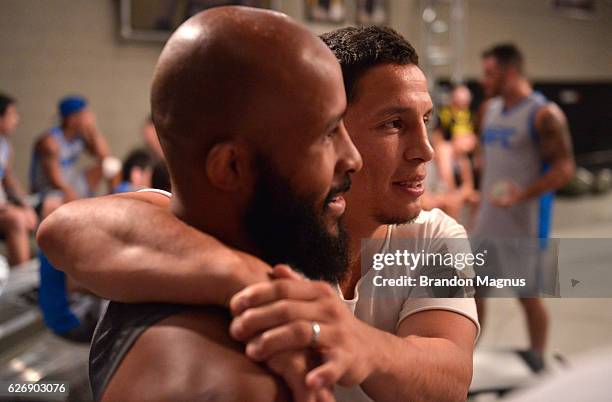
x=349 y=157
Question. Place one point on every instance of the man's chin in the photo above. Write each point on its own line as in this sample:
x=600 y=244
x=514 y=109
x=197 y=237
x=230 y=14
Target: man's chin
x=408 y=215
x=332 y=227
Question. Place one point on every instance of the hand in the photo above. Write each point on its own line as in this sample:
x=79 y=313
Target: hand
x=293 y=366
x=509 y=197
x=31 y=218
x=88 y=121
x=277 y=316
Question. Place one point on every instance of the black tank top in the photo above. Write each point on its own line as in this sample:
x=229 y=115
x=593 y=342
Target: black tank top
x=120 y=326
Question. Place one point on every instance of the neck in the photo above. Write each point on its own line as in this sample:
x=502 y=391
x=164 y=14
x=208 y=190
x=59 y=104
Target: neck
x=515 y=93
x=359 y=228
x=223 y=226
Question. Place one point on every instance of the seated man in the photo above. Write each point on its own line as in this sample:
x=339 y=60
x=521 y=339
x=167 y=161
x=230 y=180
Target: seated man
x=57 y=179
x=454 y=142
x=17 y=218
x=55 y=173
x=386 y=116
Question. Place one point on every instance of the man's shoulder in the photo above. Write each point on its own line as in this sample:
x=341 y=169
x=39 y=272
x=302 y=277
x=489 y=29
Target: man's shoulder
x=189 y=355
x=119 y=328
x=430 y=224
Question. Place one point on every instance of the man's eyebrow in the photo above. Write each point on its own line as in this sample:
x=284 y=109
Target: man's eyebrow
x=334 y=122
x=394 y=110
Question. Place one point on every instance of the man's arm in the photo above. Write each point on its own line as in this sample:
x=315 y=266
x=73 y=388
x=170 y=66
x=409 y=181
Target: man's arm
x=429 y=359
x=49 y=158
x=556 y=149
x=131 y=248
x=12 y=185
x=189 y=357
x=94 y=140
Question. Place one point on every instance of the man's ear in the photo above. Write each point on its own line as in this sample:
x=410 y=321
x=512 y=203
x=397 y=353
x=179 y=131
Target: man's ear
x=227 y=166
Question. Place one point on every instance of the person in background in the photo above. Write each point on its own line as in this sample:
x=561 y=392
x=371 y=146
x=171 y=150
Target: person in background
x=454 y=142
x=55 y=173
x=136 y=172
x=17 y=218
x=57 y=177
x=526 y=156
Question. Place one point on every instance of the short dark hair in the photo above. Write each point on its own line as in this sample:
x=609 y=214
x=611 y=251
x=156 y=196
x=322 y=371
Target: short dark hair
x=137 y=158
x=360 y=48
x=506 y=54
x=5 y=102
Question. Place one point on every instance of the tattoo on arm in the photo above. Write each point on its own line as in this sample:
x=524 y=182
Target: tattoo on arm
x=555 y=139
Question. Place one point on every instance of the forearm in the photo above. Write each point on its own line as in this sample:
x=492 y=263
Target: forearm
x=467 y=178
x=12 y=186
x=97 y=144
x=418 y=368
x=132 y=251
x=556 y=177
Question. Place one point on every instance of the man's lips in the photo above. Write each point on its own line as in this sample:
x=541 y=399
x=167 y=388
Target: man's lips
x=336 y=206
x=412 y=186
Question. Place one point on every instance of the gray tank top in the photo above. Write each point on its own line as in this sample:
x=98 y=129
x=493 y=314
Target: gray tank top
x=511 y=153
x=70 y=152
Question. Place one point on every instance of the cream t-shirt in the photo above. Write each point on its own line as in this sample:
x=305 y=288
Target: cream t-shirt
x=386 y=307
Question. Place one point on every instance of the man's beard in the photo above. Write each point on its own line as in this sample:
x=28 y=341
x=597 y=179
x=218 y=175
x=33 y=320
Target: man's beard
x=286 y=228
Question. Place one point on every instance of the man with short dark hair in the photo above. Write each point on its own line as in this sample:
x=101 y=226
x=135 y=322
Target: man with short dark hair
x=528 y=155
x=136 y=172
x=384 y=346
x=17 y=218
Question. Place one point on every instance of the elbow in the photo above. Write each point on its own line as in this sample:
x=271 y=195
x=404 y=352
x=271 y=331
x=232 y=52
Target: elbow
x=51 y=236
x=47 y=233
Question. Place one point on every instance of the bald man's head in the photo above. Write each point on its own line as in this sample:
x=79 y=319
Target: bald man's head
x=229 y=73
x=241 y=96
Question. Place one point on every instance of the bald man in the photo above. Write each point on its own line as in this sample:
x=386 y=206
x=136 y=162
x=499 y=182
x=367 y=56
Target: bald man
x=388 y=110
x=230 y=120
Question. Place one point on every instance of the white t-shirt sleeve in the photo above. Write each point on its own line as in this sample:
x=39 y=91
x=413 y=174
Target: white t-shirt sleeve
x=438 y=226
x=155 y=190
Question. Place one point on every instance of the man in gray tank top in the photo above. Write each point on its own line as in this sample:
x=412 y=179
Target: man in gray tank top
x=527 y=155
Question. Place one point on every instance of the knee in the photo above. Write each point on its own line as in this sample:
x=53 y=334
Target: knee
x=15 y=221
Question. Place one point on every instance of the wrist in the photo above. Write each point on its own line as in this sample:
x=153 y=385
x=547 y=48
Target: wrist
x=381 y=358
x=230 y=279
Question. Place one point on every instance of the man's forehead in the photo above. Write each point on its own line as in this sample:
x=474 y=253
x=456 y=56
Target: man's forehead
x=394 y=86
x=396 y=76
